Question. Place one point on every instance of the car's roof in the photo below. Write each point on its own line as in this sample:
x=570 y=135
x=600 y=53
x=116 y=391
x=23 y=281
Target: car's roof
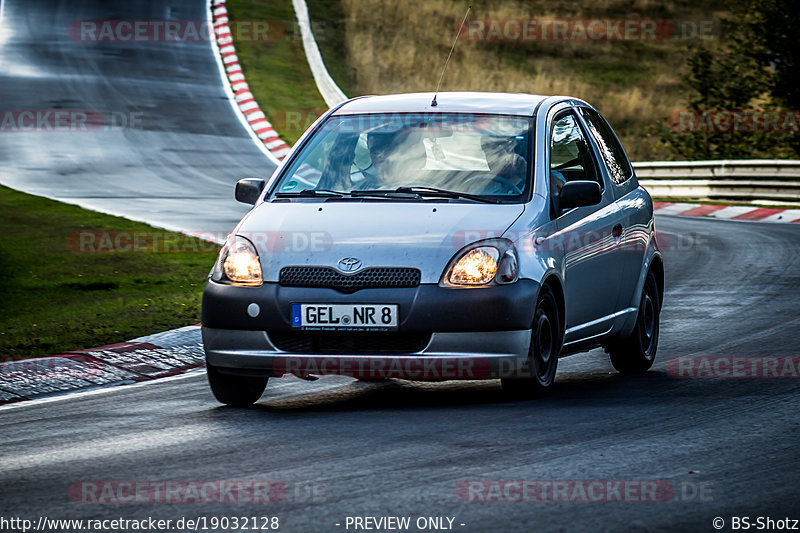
x=448 y=102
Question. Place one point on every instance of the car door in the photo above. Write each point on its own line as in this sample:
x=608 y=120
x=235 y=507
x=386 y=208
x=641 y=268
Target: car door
x=634 y=215
x=587 y=235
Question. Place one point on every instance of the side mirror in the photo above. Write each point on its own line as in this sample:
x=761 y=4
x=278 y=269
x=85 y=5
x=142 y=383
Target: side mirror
x=249 y=189
x=580 y=193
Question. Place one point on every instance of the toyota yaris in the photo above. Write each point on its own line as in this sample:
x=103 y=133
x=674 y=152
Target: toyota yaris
x=475 y=236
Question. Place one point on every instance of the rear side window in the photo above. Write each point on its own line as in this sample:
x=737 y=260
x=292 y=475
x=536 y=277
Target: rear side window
x=610 y=148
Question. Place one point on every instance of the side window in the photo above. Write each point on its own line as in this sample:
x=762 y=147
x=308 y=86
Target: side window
x=610 y=147
x=570 y=157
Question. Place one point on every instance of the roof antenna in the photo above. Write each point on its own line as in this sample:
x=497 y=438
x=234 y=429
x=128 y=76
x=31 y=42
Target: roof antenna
x=433 y=102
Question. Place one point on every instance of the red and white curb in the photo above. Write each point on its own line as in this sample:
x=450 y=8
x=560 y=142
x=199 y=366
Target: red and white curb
x=729 y=212
x=155 y=356
x=241 y=91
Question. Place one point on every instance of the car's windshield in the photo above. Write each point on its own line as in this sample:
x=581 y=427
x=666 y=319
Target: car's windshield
x=486 y=156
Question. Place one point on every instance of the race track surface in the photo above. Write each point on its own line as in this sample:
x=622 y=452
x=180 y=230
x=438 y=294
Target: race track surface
x=342 y=447
x=161 y=142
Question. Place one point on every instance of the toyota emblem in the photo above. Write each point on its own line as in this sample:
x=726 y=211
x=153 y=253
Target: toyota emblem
x=349 y=264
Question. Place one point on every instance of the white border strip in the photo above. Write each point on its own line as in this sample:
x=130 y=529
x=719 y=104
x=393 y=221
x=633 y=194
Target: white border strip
x=330 y=92
x=729 y=212
x=101 y=389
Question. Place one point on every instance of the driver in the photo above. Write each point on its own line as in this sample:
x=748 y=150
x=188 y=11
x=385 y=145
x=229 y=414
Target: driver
x=392 y=154
x=503 y=161
x=379 y=145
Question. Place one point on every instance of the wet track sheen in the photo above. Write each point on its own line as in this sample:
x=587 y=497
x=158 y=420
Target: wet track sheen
x=343 y=447
x=161 y=142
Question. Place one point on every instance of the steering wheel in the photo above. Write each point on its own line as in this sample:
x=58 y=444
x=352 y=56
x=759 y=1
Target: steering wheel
x=501 y=185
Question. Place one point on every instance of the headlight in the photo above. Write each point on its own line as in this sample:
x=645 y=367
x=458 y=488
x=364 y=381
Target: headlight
x=238 y=263
x=476 y=267
x=482 y=264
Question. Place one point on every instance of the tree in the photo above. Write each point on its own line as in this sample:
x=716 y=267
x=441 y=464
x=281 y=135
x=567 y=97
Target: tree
x=752 y=71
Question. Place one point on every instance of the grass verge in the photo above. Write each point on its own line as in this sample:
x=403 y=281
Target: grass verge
x=72 y=278
x=276 y=69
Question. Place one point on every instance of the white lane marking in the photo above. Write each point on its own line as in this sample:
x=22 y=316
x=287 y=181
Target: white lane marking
x=674 y=209
x=788 y=215
x=732 y=211
x=330 y=92
x=102 y=390
x=324 y=383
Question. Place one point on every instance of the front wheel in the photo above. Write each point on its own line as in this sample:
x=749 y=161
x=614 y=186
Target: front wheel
x=237 y=391
x=540 y=369
x=636 y=352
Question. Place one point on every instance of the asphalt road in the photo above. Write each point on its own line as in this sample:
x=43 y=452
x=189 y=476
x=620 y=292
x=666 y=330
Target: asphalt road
x=346 y=448
x=160 y=143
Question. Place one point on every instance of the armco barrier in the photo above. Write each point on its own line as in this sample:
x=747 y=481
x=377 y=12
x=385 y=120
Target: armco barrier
x=766 y=180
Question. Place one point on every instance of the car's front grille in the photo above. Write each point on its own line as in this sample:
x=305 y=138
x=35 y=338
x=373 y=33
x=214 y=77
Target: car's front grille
x=368 y=278
x=312 y=342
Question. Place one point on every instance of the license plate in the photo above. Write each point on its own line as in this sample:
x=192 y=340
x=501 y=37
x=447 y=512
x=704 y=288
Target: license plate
x=345 y=316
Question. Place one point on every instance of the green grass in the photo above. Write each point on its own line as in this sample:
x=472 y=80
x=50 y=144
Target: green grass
x=277 y=72
x=55 y=297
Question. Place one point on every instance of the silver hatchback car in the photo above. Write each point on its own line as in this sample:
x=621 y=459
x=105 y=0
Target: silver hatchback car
x=477 y=236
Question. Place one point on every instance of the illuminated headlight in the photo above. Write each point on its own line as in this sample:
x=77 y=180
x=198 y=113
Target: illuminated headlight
x=483 y=265
x=238 y=263
x=476 y=267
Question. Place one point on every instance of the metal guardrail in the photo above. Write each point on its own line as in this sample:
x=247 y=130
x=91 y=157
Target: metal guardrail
x=752 y=180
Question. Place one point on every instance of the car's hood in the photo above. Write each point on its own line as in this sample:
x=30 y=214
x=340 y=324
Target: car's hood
x=422 y=235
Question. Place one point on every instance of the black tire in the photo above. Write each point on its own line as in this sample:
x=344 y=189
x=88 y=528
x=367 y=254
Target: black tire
x=539 y=371
x=636 y=352
x=236 y=391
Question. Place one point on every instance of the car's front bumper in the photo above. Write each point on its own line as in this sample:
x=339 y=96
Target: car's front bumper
x=465 y=333
x=426 y=308
x=446 y=356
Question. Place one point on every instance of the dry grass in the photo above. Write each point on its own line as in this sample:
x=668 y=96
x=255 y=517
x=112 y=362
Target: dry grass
x=401 y=46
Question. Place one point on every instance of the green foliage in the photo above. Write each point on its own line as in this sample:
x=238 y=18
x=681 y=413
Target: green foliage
x=753 y=70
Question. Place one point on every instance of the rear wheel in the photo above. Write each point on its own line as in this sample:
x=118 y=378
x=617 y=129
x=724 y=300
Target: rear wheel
x=637 y=351
x=237 y=391
x=539 y=371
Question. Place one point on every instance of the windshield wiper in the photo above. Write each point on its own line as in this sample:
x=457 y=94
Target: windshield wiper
x=400 y=193
x=311 y=193
x=444 y=193
x=381 y=193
